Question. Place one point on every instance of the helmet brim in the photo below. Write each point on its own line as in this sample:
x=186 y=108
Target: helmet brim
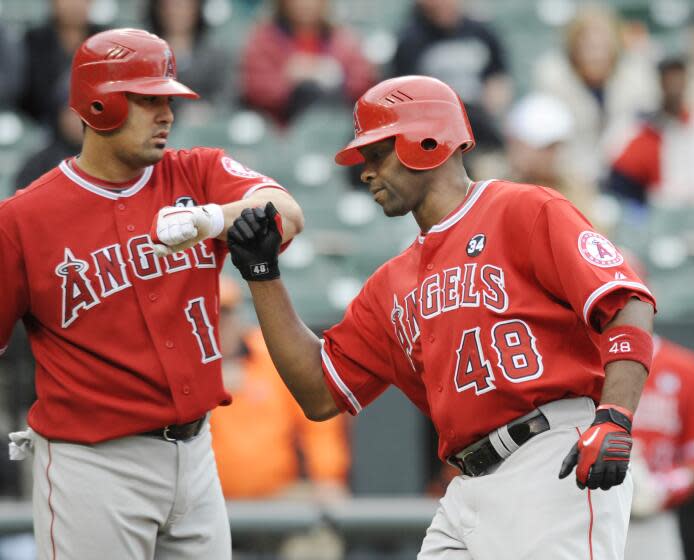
x=350 y=154
x=152 y=86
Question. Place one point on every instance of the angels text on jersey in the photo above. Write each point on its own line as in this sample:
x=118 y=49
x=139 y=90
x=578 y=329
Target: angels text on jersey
x=471 y=285
x=114 y=268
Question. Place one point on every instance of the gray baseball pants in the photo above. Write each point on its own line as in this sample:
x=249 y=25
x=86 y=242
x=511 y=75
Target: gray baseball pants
x=522 y=511
x=137 y=497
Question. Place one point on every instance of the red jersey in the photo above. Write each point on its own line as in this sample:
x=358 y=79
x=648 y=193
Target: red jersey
x=664 y=420
x=488 y=315
x=124 y=342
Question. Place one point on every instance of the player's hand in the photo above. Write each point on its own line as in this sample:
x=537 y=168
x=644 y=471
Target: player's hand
x=601 y=454
x=175 y=229
x=254 y=242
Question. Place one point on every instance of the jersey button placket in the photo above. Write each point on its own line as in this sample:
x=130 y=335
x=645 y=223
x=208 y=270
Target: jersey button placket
x=169 y=344
x=186 y=389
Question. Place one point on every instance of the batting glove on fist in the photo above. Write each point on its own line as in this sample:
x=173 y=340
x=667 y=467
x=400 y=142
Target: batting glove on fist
x=254 y=242
x=175 y=229
x=601 y=454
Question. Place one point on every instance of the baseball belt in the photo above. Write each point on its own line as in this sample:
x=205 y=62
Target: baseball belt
x=478 y=458
x=178 y=432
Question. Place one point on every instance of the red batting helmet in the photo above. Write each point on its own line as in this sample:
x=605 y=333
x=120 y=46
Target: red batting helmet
x=426 y=117
x=113 y=62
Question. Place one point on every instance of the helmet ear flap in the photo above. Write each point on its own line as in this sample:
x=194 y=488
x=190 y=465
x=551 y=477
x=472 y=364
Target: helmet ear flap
x=107 y=111
x=420 y=153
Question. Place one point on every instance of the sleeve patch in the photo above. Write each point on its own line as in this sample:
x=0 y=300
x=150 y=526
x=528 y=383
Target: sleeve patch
x=598 y=250
x=236 y=168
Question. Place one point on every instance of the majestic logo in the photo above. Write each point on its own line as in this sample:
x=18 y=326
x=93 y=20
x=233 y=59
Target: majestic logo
x=598 y=250
x=184 y=202
x=476 y=245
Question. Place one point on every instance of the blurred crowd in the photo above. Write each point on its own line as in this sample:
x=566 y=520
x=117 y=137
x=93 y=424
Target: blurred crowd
x=603 y=115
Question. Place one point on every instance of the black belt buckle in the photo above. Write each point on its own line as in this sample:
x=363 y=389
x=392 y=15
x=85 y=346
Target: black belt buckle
x=166 y=436
x=179 y=432
x=478 y=458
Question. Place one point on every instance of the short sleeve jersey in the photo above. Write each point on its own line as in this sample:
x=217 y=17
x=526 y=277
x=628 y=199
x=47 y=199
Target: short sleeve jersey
x=124 y=342
x=664 y=420
x=488 y=315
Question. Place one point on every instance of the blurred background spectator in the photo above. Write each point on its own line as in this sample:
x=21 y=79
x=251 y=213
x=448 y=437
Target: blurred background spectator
x=689 y=50
x=298 y=57
x=65 y=138
x=604 y=85
x=48 y=54
x=263 y=441
x=538 y=129
x=203 y=66
x=440 y=39
x=656 y=163
x=265 y=447
x=11 y=62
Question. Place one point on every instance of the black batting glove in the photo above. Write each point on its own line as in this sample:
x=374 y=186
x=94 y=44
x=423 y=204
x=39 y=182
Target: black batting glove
x=254 y=241
x=601 y=455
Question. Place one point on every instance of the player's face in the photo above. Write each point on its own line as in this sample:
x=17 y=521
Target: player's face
x=396 y=188
x=142 y=139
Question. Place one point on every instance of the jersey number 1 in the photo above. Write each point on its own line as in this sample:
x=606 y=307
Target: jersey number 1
x=202 y=329
x=518 y=358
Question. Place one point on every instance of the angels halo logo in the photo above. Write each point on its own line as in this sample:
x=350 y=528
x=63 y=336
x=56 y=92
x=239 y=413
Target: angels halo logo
x=598 y=250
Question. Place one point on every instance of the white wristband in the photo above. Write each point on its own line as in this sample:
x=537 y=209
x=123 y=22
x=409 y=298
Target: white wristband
x=216 y=215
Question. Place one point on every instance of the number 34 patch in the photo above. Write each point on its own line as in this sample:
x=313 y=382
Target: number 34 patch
x=476 y=245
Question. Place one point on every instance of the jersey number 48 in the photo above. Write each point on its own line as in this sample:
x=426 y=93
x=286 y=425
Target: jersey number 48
x=517 y=357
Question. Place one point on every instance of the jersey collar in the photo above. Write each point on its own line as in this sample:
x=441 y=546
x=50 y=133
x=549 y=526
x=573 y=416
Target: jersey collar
x=457 y=215
x=101 y=191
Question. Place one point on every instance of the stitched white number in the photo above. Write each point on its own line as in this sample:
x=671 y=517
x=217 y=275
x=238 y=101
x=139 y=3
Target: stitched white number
x=472 y=370
x=518 y=358
x=620 y=347
x=202 y=329
x=514 y=343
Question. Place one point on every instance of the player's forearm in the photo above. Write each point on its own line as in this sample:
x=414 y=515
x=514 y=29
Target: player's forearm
x=624 y=379
x=624 y=382
x=290 y=211
x=295 y=350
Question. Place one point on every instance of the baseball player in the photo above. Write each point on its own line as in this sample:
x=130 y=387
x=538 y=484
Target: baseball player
x=664 y=470
x=126 y=343
x=509 y=321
